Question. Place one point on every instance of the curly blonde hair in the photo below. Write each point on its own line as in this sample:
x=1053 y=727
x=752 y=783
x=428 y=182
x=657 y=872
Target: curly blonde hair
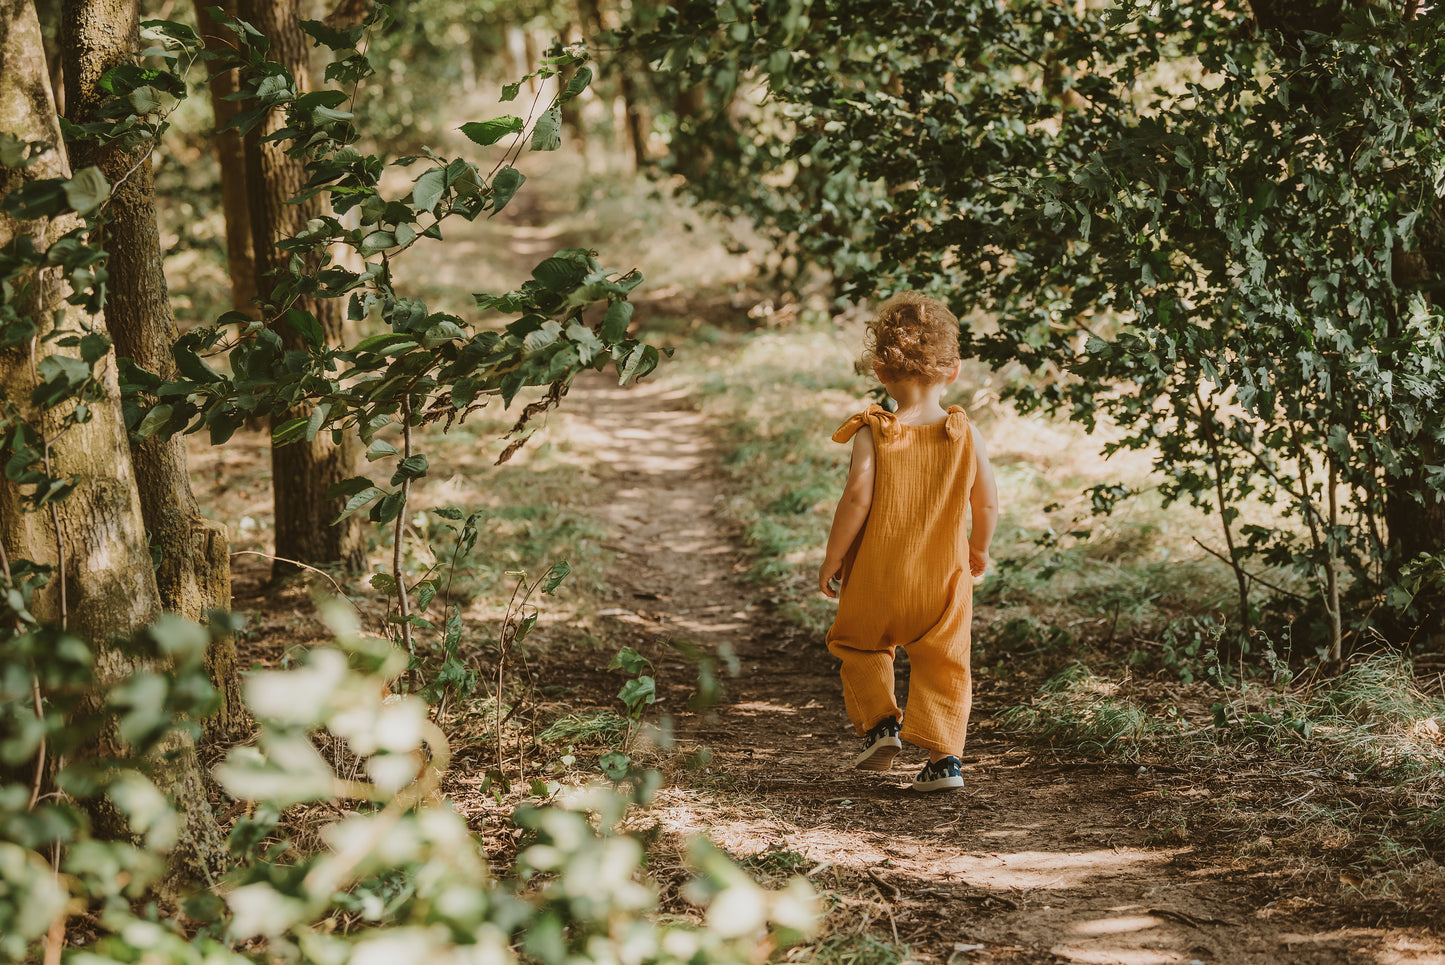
x=913 y=338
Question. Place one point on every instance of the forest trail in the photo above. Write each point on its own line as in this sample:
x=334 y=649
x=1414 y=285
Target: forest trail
x=1034 y=861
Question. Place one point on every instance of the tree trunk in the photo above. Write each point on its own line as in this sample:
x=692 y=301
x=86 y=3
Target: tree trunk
x=630 y=126
x=636 y=117
x=103 y=587
x=194 y=573
x=688 y=105
x=348 y=13
x=231 y=159
x=302 y=472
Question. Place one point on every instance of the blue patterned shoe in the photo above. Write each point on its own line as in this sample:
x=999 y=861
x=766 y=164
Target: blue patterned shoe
x=880 y=746
x=940 y=775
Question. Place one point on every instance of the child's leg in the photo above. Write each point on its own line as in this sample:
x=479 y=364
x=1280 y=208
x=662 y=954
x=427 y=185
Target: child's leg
x=867 y=684
x=940 y=692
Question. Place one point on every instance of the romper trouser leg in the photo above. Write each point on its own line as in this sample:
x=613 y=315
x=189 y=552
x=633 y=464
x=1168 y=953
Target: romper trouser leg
x=940 y=685
x=867 y=684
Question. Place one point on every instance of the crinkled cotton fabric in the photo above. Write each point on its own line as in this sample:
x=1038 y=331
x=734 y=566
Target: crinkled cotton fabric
x=906 y=581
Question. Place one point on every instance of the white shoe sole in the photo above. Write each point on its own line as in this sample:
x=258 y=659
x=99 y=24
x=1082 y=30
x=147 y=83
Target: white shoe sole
x=879 y=757
x=939 y=784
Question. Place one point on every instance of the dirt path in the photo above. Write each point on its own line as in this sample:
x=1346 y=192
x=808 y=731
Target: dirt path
x=1032 y=862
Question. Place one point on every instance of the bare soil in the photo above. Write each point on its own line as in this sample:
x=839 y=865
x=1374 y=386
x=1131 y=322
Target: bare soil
x=1036 y=860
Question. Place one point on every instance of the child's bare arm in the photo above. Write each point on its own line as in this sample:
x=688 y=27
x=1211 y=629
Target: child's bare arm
x=852 y=511
x=983 y=503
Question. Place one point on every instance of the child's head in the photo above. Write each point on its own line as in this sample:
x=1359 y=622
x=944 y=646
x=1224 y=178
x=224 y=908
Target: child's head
x=913 y=338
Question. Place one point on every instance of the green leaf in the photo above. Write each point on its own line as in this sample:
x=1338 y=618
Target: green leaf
x=383 y=582
x=93 y=347
x=289 y=431
x=547 y=334
x=193 y=367
x=125 y=77
x=544 y=940
x=387 y=343
x=560 y=275
x=547 y=135
x=179 y=637
x=87 y=190
x=429 y=189
x=637 y=693
x=412 y=467
x=441 y=333
x=173 y=30
x=61 y=373
x=146 y=716
x=586 y=340
x=629 y=660
x=490 y=132
x=578 y=83
x=504 y=187
x=376 y=241
x=223 y=424
x=317 y=420
x=359 y=500
x=380 y=448
x=154 y=421
x=615 y=765
x=556 y=575
x=614 y=324
x=335 y=39
x=388 y=509
x=348 y=487
x=640 y=361
x=305 y=325
x=146 y=100
x=510 y=92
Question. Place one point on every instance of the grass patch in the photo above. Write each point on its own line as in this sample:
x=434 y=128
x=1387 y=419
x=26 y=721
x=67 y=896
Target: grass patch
x=1079 y=712
x=1369 y=724
x=599 y=729
x=861 y=949
x=1343 y=775
x=775 y=864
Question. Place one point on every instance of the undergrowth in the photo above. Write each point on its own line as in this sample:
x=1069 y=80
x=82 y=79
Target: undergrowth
x=1353 y=767
x=1132 y=593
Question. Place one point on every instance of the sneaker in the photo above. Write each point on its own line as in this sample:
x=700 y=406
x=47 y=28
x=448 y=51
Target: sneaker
x=880 y=746
x=940 y=776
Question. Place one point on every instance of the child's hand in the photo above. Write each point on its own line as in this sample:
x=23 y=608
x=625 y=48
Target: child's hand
x=977 y=563
x=830 y=571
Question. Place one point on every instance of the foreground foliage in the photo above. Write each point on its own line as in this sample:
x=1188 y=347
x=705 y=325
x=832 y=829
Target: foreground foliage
x=86 y=838
x=400 y=871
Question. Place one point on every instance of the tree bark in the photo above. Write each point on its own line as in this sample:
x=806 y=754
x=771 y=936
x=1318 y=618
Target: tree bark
x=633 y=126
x=104 y=586
x=302 y=472
x=348 y=13
x=231 y=159
x=194 y=573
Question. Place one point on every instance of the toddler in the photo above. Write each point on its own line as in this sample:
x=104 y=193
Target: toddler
x=899 y=552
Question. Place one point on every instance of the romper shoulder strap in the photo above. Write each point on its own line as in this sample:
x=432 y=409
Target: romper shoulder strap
x=875 y=417
x=956 y=425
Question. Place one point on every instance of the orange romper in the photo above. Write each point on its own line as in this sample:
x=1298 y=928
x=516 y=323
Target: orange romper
x=906 y=581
